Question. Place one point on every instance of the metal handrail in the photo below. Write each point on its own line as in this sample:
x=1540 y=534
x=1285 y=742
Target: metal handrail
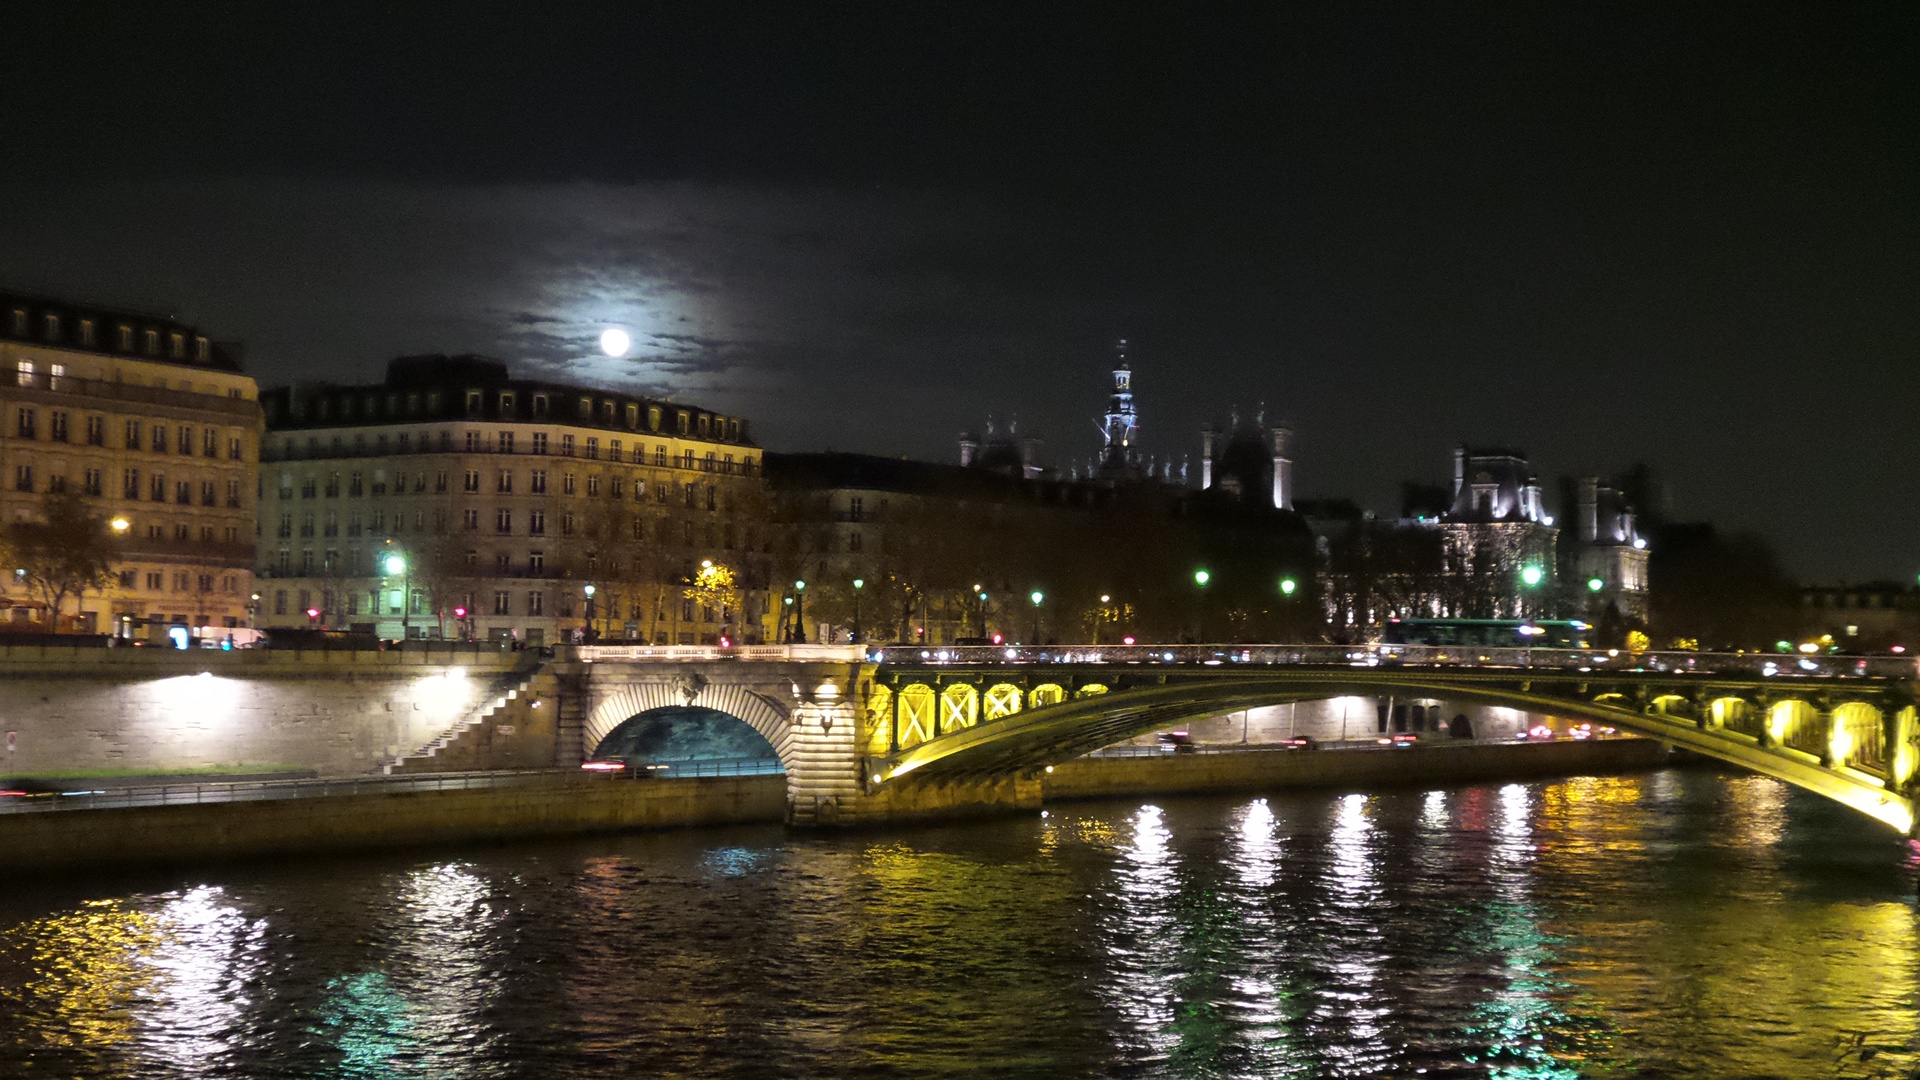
x=1783 y=665
x=81 y=797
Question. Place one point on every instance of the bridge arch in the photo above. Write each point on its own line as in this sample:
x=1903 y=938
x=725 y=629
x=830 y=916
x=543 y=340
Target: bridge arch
x=633 y=699
x=1792 y=738
x=677 y=734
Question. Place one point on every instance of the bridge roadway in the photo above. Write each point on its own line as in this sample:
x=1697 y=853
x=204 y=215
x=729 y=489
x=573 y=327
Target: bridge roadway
x=1840 y=726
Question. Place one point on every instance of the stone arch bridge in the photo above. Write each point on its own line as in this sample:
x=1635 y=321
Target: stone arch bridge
x=906 y=732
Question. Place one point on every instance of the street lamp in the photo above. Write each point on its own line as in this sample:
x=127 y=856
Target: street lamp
x=858 y=584
x=799 y=613
x=1037 y=597
x=1287 y=586
x=1594 y=584
x=120 y=525
x=1200 y=579
x=589 y=590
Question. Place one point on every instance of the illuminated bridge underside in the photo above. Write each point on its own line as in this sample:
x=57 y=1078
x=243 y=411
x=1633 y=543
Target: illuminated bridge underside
x=1837 y=738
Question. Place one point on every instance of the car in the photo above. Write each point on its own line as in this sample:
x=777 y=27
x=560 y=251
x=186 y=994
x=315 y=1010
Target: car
x=1178 y=742
x=1298 y=742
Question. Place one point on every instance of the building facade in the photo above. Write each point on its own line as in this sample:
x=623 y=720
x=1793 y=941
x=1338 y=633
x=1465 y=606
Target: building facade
x=455 y=501
x=1609 y=554
x=1497 y=539
x=157 y=429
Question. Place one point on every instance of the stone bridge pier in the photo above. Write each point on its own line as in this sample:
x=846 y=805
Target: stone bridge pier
x=808 y=703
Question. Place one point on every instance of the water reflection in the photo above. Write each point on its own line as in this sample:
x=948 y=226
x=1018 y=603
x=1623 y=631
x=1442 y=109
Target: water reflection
x=1678 y=925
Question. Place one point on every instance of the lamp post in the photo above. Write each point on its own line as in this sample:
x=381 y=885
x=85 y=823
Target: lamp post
x=980 y=610
x=858 y=584
x=589 y=634
x=799 y=612
x=1531 y=577
x=1037 y=597
x=1200 y=579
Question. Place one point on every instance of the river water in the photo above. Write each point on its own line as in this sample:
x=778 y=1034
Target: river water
x=1683 y=923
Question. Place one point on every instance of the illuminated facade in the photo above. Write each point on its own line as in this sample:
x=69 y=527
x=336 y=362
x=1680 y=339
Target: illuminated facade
x=152 y=423
x=1120 y=428
x=1497 y=540
x=452 y=487
x=1609 y=555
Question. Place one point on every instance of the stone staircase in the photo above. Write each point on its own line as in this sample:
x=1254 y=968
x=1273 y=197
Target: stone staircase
x=511 y=728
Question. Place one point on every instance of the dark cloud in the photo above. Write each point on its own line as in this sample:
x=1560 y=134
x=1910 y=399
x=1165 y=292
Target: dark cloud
x=1677 y=234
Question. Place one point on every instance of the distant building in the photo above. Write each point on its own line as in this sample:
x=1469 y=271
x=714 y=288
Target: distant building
x=1873 y=616
x=1120 y=428
x=153 y=423
x=1254 y=464
x=1498 y=541
x=502 y=499
x=1609 y=554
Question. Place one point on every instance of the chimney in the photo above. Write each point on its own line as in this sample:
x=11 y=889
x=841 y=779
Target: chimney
x=1282 y=468
x=969 y=446
x=1459 y=473
x=1589 y=509
x=1206 y=457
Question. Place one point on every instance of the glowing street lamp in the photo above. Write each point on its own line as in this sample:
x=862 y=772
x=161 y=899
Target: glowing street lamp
x=858 y=585
x=799 y=634
x=395 y=565
x=1532 y=575
x=1201 y=577
x=1037 y=597
x=1288 y=586
x=1595 y=584
x=120 y=524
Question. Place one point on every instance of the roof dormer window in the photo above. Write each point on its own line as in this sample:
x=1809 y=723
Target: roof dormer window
x=53 y=327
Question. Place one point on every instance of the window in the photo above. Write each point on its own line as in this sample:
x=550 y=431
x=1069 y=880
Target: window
x=566 y=524
x=854 y=506
x=379 y=524
x=354 y=524
x=473 y=409
x=566 y=483
x=536 y=603
x=566 y=446
x=471 y=560
x=686 y=460
x=177 y=346
x=706 y=463
x=639 y=488
x=23 y=478
x=503 y=521
x=157 y=487
x=613 y=450
x=470 y=520
x=660 y=457
x=853 y=540
x=402 y=438
x=57 y=425
x=156 y=580
x=202 y=349
x=506 y=482
x=502 y=603
x=614 y=484
x=653 y=418
x=537 y=522
x=692 y=494
x=593 y=487
x=593 y=447
x=209 y=496
x=96 y=431
x=540 y=440
x=502 y=564
x=280 y=595
x=356 y=485
x=233 y=494
x=472 y=480
x=307 y=486
x=184 y=444
x=306 y=525
x=473 y=442
x=540 y=409
x=536 y=562
x=506 y=403
x=26 y=428
x=639 y=528
x=133 y=434
x=130 y=483
x=330 y=525
x=506 y=442
x=660 y=492
x=333 y=485
x=633 y=416
x=713 y=496
x=93 y=482
x=150 y=342
x=210 y=443
x=440 y=483
x=538 y=483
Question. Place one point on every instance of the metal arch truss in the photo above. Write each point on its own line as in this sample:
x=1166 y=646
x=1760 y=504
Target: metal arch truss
x=1847 y=734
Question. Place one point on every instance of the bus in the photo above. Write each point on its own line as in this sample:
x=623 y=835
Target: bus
x=1490 y=633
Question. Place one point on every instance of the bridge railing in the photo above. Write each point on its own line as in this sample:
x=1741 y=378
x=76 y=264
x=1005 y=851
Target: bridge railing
x=1765 y=665
x=78 y=795
x=678 y=654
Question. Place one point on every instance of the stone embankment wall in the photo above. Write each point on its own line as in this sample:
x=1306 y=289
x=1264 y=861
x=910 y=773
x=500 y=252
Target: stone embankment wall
x=568 y=806
x=1430 y=766
x=161 y=710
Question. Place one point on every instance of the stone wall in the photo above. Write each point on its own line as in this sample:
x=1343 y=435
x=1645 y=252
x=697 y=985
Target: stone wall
x=565 y=806
x=1270 y=770
x=82 y=710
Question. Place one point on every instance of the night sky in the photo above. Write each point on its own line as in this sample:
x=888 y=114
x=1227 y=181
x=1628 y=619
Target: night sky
x=1604 y=233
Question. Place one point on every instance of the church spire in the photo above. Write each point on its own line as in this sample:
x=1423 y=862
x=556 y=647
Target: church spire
x=1121 y=426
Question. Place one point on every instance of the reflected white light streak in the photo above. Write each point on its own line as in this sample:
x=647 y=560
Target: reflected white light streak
x=1433 y=811
x=1146 y=932
x=1354 y=951
x=209 y=953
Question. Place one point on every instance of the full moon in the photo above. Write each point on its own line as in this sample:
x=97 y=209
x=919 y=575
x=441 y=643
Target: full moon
x=615 y=342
